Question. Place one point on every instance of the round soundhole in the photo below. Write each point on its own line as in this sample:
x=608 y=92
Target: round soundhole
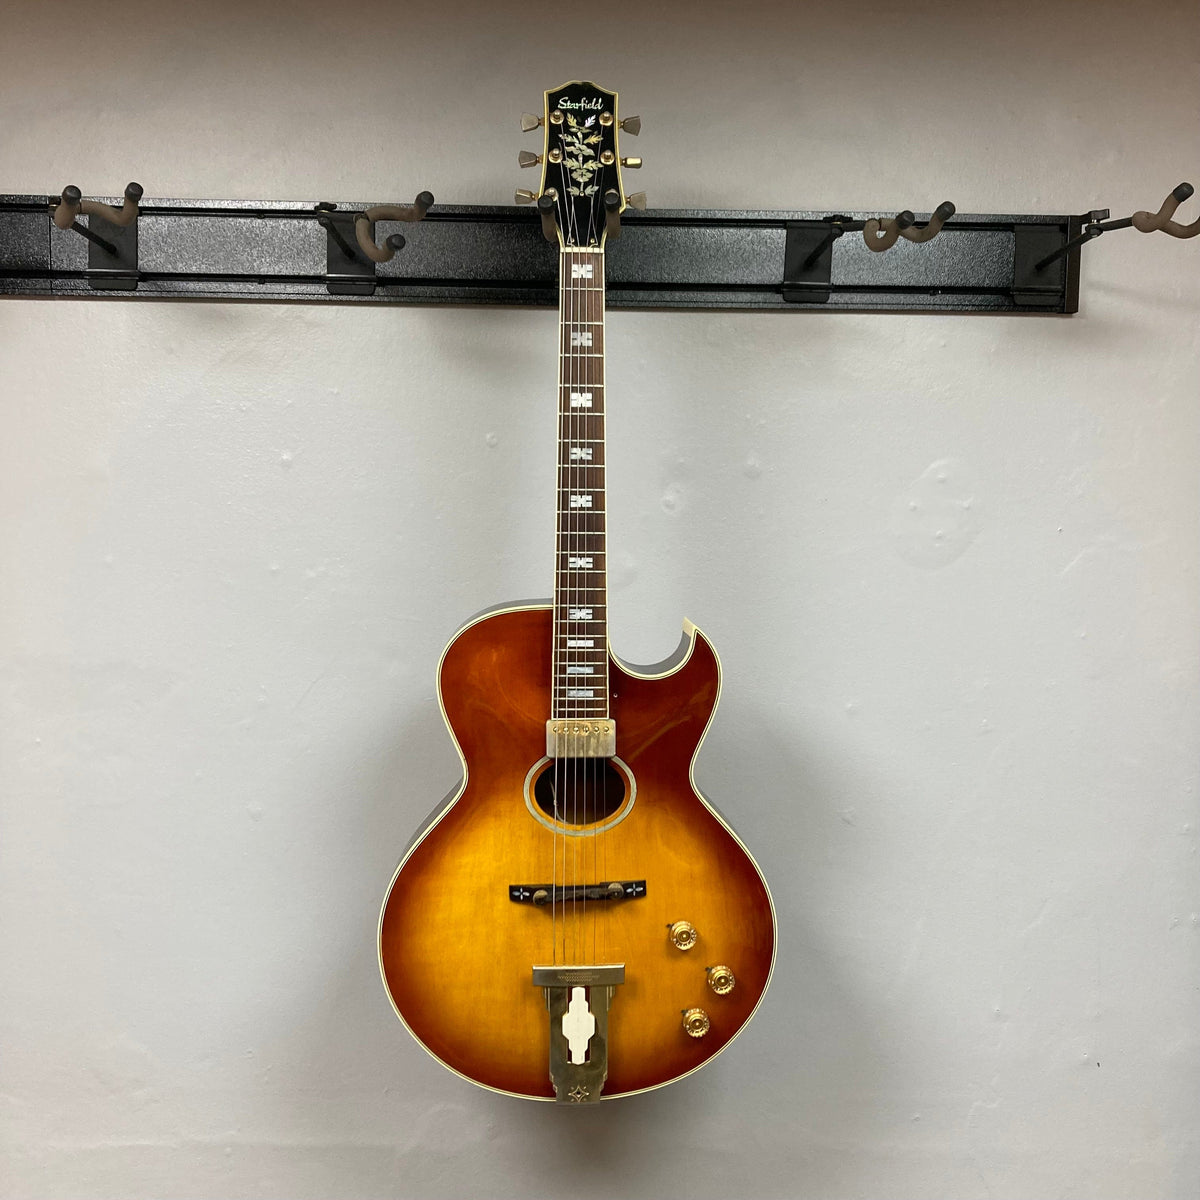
x=580 y=791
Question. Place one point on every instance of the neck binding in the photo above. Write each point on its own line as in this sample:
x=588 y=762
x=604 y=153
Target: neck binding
x=580 y=658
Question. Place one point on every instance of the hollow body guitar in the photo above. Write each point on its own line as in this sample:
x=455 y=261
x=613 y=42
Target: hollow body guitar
x=576 y=922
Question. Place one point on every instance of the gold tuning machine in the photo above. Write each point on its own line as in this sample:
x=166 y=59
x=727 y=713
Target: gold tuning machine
x=524 y=197
x=720 y=979
x=529 y=122
x=636 y=200
x=527 y=158
x=696 y=1023
x=682 y=934
x=632 y=163
x=631 y=125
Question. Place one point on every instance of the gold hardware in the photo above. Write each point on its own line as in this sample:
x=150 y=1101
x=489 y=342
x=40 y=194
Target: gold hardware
x=552 y=193
x=632 y=163
x=556 y=118
x=579 y=992
x=696 y=1023
x=527 y=158
x=682 y=934
x=636 y=200
x=606 y=118
x=596 y=738
x=631 y=125
x=524 y=197
x=529 y=122
x=607 y=156
x=555 y=155
x=720 y=979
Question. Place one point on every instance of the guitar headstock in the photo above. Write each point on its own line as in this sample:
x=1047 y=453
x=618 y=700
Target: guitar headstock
x=581 y=162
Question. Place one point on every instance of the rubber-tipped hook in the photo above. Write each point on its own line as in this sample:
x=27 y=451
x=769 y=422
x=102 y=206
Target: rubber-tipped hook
x=882 y=235
x=1161 y=220
x=72 y=204
x=612 y=214
x=546 y=207
x=933 y=227
x=388 y=212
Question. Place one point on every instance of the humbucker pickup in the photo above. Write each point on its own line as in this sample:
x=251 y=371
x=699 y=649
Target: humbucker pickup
x=541 y=894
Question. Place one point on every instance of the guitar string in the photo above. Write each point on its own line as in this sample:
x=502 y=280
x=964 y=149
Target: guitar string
x=573 y=523
x=556 y=653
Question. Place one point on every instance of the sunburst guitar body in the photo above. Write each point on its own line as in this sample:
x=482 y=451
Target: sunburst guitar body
x=696 y=934
x=576 y=922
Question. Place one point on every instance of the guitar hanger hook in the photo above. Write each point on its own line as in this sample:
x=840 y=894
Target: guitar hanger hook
x=72 y=204
x=66 y=210
x=882 y=235
x=1150 y=222
x=364 y=223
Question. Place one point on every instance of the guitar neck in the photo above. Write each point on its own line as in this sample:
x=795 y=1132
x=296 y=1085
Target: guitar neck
x=580 y=658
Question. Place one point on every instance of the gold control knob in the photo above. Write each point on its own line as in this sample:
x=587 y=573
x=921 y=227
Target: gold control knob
x=682 y=934
x=632 y=125
x=632 y=163
x=696 y=1023
x=527 y=158
x=720 y=979
x=636 y=200
x=529 y=122
x=525 y=197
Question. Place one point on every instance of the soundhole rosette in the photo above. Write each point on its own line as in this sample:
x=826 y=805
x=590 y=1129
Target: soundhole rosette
x=593 y=794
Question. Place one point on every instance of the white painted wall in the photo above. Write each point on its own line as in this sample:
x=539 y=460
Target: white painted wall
x=235 y=538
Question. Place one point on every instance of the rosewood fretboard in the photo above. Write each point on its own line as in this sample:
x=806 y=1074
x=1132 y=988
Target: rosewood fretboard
x=580 y=591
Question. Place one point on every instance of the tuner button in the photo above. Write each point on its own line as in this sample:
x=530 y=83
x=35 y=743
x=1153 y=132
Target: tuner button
x=524 y=197
x=682 y=934
x=631 y=163
x=632 y=125
x=720 y=979
x=529 y=122
x=696 y=1023
x=527 y=158
x=637 y=200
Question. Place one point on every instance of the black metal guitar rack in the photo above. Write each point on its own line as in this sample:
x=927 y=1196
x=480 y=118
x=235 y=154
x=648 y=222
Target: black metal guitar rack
x=467 y=254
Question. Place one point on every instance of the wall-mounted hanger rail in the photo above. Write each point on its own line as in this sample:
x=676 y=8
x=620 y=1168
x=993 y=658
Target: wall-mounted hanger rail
x=466 y=254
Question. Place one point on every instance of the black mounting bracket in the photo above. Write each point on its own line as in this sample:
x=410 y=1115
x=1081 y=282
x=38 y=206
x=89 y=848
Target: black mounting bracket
x=112 y=255
x=1037 y=283
x=808 y=260
x=348 y=272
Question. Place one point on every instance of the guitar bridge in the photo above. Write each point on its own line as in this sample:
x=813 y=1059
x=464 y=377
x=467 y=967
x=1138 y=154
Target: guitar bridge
x=578 y=999
x=541 y=894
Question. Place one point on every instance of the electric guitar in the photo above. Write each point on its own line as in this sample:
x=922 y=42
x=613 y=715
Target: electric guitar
x=576 y=922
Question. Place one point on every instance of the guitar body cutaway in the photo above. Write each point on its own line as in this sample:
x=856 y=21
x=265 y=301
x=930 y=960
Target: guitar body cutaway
x=458 y=939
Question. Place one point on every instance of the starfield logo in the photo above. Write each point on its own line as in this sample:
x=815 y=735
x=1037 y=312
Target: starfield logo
x=586 y=102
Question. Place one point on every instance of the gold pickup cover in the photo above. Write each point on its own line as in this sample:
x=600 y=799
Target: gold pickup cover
x=581 y=737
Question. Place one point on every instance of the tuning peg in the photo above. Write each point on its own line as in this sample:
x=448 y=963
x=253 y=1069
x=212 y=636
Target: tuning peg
x=631 y=163
x=632 y=126
x=524 y=197
x=529 y=122
x=636 y=200
x=527 y=158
